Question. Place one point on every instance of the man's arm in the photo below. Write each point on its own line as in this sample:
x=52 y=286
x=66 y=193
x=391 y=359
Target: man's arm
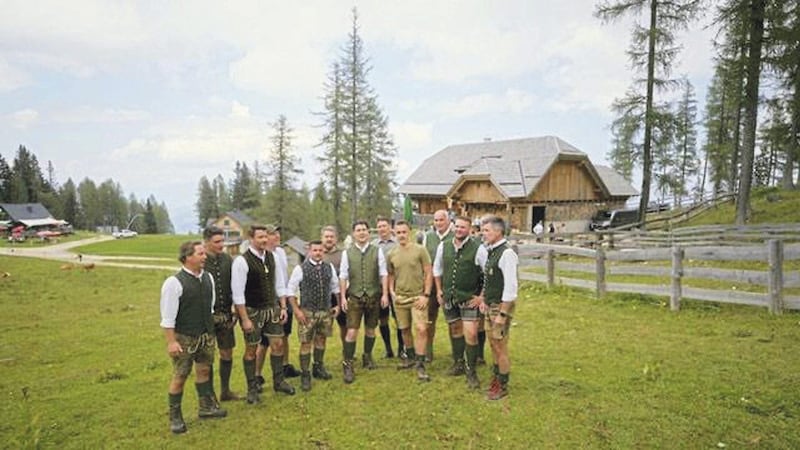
x=171 y=292
x=344 y=277
x=238 y=282
x=508 y=264
x=383 y=272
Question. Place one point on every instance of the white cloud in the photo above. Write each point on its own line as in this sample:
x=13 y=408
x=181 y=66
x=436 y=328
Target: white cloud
x=91 y=114
x=411 y=135
x=11 y=78
x=24 y=118
x=512 y=101
x=239 y=110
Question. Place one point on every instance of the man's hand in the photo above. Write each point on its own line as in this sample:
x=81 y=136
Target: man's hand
x=421 y=303
x=174 y=348
x=344 y=304
x=440 y=297
x=247 y=325
x=384 y=301
x=301 y=316
x=284 y=315
x=475 y=302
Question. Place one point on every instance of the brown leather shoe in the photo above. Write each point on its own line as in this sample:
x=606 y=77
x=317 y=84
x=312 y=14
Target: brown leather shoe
x=229 y=396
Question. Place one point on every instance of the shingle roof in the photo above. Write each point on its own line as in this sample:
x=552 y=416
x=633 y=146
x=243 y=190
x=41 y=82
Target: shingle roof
x=617 y=185
x=515 y=166
x=240 y=217
x=26 y=211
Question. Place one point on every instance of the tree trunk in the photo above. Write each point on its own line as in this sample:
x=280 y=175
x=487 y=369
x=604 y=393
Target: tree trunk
x=647 y=156
x=756 y=33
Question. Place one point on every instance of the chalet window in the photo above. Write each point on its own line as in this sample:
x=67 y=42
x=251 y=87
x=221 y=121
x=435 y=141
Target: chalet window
x=226 y=222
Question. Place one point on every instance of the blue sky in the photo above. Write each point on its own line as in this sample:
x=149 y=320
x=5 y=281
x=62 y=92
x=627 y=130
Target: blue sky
x=157 y=94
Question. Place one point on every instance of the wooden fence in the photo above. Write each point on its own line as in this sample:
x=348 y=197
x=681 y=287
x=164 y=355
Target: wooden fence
x=774 y=252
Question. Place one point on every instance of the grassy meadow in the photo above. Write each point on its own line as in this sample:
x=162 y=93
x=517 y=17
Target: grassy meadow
x=145 y=245
x=84 y=365
x=768 y=205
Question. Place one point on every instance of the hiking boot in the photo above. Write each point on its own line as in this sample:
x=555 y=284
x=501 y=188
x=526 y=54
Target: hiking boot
x=319 y=372
x=500 y=390
x=480 y=361
x=472 y=380
x=283 y=386
x=389 y=354
x=228 y=395
x=457 y=368
x=208 y=408
x=290 y=372
x=422 y=375
x=349 y=374
x=305 y=381
x=367 y=362
x=405 y=363
x=260 y=381
x=176 y=423
x=252 y=393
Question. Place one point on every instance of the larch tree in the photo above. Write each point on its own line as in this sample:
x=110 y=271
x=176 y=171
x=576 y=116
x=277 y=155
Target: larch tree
x=652 y=51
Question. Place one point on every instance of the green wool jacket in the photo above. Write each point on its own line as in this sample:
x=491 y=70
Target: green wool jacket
x=461 y=277
x=194 y=307
x=493 y=276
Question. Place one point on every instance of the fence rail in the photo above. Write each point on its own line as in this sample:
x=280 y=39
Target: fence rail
x=774 y=252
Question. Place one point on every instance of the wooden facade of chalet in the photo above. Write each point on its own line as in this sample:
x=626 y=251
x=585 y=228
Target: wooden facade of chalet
x=523 y=181
x=234 y=227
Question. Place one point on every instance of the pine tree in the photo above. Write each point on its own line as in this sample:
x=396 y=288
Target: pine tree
x=206 y=206
x=652 y=50
x=283 y=168
x=5 y=180
x=333 y=154
x=150 y=223
x=70 y=207
x=686 y=140
x=90 y=204
x=223 y=196
x=26 y=177
x=358 y=150
x=755 y=27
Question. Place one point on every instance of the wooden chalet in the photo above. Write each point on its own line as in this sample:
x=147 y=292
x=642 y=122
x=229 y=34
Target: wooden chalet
x=521 y=180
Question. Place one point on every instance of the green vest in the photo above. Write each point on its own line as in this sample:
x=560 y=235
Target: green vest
x=259 y=291
x=493 y=276
x=431 y=244
x=219 y=266
x=194 y=306
x=432 y=241
x=364 y=277
x=461 y=277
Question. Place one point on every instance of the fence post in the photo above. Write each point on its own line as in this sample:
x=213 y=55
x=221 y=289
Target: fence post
x=601 y=272
x=775 y=257
x=551 y=268
x=677 y=273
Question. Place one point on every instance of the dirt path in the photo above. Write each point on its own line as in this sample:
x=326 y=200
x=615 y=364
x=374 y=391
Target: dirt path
x=61 y=252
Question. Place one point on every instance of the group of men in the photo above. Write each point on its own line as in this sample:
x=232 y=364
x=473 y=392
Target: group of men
x=473 y=281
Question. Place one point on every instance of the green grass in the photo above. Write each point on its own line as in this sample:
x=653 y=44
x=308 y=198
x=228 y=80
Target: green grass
x=155 y=245
x=36 y=242
x=769 y=205
x=84 y=365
